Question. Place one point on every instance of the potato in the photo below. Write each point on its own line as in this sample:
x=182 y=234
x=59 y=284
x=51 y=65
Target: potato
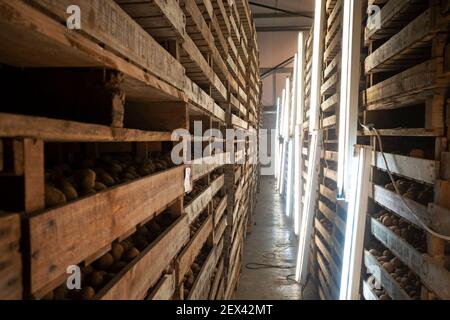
x=127 y=244
x=106 y=179
x=87 y=164
x=385 y=296
x=186 y=293
x=87 y=293
x=60 y=293
x=390 y=187
x=68 y=189
x=374 y=252
x=387 y=221
x=396 y=262
x=104 y=262
x=99 y=186
x=87 y=269
x=117 y=266
x=388 y=267
x=115 y=168
x=53 y=196
x=403 y=186
x=126 y=176
x=95 y=279
x=86 y=179
x=130 y=254
x=117 y=251
x=108 y=277
x=87 y=192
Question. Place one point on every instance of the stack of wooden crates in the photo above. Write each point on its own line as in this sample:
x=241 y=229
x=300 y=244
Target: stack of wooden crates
x=85 y=142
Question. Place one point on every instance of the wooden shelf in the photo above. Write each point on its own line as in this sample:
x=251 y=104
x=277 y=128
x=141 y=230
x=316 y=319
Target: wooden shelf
x=10 y=257
x=55 y=233
x=407 y=46
x=433 y=276
x=389 y=284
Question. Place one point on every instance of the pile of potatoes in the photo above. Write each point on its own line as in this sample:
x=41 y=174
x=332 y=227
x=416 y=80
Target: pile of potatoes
x=64 y=183
x=381 y=293
x=199 y=187
x=193 y=272
x=98 y=274
x=198 y=222
x=403 y=229
x=407 y=279
x=414 y=191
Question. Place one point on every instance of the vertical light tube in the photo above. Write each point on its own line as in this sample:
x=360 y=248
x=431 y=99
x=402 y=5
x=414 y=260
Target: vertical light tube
x=298 y=134
x=349 y=91
x=317 y=58
x=277 y=133
x=281 y=144
x=356 y=223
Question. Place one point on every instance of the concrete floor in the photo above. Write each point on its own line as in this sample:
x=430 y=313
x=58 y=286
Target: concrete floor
x=272 y=233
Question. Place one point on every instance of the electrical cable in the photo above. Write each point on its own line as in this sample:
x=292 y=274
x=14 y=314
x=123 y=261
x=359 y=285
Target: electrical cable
x=418 y=219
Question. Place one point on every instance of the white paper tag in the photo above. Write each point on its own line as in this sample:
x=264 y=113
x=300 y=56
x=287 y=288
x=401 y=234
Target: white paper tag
x=187 y=180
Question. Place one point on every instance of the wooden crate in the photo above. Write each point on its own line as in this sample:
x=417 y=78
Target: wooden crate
x=434 y=276
x=55 y=241
x=10 y=257
x=133 y=282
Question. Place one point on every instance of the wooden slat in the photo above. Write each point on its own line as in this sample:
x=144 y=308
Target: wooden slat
x=10 y=257
x=435 y=217
x=55 y=234
x=418 y=169
x=368 y=292
x=434 y=276
x=12 y=125
x=192 y=249
x=384 y=278
x=165 y=289
x=406 y=44
x=406 y=87
x=110 y=27
x=133 y=282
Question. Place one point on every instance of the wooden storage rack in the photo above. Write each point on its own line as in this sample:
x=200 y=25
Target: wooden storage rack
x=405 y=99
x=141 y=78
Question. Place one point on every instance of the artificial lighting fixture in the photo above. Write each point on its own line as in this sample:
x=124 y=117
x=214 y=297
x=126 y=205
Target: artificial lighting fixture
x=315 y=145
x=356 y=224
x=298 y=132
x=349 y=92
x=306 y=224
x=316 y=77
x=277 y=139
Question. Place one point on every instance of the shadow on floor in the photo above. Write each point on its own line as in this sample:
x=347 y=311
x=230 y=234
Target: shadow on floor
x=273 y=242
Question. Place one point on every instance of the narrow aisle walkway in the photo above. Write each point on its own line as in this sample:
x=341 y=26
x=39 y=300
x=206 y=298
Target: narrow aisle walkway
x=272 y=242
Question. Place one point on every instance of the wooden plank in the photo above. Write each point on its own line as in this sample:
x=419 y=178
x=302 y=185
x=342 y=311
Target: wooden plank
x=192 y=249
x=418 y=169
x=335 y=271
x=328 y=193
x=54 y=45
x=219 y=230
x=332 y=242
x=34 y=174
x=200 y=288
x=330 y=86
x=133 y=282
x=393 y=17
x=220 y=210
x=112 y=27
x=203 y=166
x=217 y=279
x=409 y=132
x=434 y=216
x=165 y=289
x=406 y=43
x=332 y=216
x=433 y=275
x=368 y=292
x=405 y=87
x=10 y=257
x=384 y=278
x=115 y=211
x=329 y=122
x=13 y=125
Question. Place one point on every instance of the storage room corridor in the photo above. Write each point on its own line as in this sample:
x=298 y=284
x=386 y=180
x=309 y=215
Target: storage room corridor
x=272 y=242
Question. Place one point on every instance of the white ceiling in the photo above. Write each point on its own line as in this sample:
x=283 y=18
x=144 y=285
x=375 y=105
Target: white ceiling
x=297 y=6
